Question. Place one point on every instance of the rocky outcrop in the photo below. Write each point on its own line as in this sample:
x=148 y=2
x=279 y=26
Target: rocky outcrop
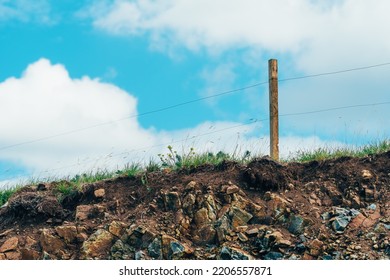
x=205 y=218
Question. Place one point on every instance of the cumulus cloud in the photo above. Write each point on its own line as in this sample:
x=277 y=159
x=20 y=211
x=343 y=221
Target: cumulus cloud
x=53 y=125
x=46 y=102
x=216 y=24
x=311 y=36
x=310 y=28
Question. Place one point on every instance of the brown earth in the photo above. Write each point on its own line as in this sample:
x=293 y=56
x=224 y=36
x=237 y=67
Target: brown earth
x=334 y=209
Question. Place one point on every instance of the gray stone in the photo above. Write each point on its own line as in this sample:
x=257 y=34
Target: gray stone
x=273 y=256
x=140 y=255
x=326 y=216
x=177 y=250
x=372 y=207
x=155 y=249
x=338 y=211
x=387 y=250
x=229 y=253
x=340 y=223
x=300 y=248
x=353 y=213
x=297 y=225
x=122 y=251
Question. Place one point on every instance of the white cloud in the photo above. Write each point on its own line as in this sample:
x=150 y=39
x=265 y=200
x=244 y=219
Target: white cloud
x=26 y=11
x=45 y=103
x=311 y=36
x=320 y=35
x=212 y=24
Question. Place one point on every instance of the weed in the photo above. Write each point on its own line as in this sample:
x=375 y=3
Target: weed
x=6 y=194
x=130 y=170
x=152 y=166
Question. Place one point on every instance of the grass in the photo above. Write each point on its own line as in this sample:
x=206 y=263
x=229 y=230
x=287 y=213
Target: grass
x=332 y=153
x=6 y=194
x=190 y=159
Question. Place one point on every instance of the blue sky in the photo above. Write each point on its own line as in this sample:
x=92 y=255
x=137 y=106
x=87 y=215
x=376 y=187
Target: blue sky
x=67 y=66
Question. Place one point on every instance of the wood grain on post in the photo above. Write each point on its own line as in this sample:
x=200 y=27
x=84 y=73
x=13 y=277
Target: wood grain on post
x=273 y=108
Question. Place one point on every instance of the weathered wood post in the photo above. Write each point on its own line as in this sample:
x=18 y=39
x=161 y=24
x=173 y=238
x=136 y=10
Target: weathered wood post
x=273 y=108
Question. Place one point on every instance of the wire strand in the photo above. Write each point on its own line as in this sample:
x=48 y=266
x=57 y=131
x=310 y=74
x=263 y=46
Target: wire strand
x=190 y=102
x=335 y=72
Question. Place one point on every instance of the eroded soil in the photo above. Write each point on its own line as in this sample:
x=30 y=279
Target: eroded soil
x=334 y=209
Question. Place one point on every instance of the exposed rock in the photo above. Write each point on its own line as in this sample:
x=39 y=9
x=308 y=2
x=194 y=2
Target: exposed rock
x=9 y=245
x=231 y=253
x=296 y=225
x=6 y=232
x=242 y=237
x=30 y=242
x=121 y=251
x=239 y=217
x=252 y=231
x=369 y=195
x=172 y=201
x=340 y=223
x=2 y=257
x=201 y=217
x=117 y=228
x=68 y=232
x=232 y=189
x=176 y=250
x=13 y=255
x=188 y=203
x=335 y=195
x=29 y=254
x=366 y=175
x=315 y=247
x=51 y=243
x=273 y=256
x=99 y=193
x=172 y=249
x=155 y=249
x=382 y=228
x=140 y=255
x=97 y=245
x=85 y=212
x=279 y=205
x=229 y=211
x=206 y=235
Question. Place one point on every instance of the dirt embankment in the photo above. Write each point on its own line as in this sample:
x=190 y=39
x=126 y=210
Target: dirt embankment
x=335 y=209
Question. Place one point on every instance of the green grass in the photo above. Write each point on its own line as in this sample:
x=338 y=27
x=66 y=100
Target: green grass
x=190 y=159
x=6 y=194
x=332 y=153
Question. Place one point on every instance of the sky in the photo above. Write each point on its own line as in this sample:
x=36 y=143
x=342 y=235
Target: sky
x=88 y=85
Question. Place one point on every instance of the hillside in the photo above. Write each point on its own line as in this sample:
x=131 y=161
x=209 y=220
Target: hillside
x=331 y=209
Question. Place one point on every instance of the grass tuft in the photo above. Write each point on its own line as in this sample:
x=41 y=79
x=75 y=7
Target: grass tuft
x=332 y=153
x=6 y=194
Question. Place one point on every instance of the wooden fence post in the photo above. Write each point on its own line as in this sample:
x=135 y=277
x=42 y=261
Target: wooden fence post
x=273 y=108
